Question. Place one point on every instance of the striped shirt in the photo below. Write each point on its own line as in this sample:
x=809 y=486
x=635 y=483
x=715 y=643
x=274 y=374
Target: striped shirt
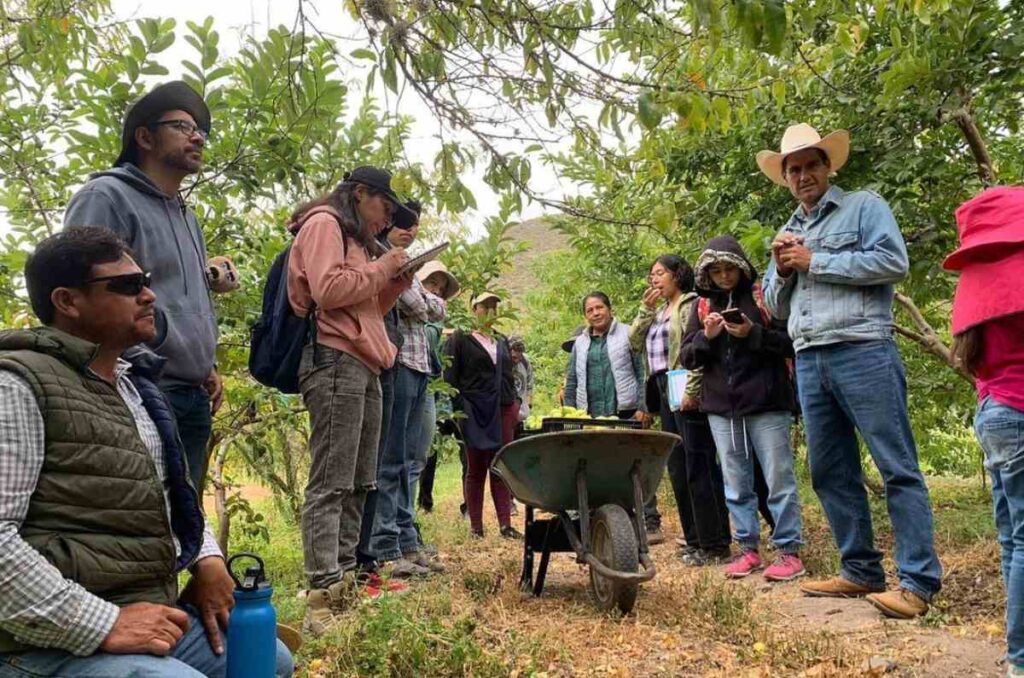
x=37 y=604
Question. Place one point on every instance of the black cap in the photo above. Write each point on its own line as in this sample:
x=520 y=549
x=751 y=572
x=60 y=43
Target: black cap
x=407 y=218
x=170 y=96
x=568 y=343
x=380 y=181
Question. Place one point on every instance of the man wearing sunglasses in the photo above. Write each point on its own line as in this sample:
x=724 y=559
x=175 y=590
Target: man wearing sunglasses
x=162 y=142
x=97 y=513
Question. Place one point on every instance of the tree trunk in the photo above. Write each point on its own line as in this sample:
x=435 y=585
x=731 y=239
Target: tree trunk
x=220 y=497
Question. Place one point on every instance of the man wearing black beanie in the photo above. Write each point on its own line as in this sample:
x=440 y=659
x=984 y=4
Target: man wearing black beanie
x=162 y=142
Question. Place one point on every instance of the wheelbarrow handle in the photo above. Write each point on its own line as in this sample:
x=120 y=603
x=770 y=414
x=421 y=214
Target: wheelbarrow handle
x=637 y=577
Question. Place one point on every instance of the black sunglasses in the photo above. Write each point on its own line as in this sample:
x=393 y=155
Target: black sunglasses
x=129 y=284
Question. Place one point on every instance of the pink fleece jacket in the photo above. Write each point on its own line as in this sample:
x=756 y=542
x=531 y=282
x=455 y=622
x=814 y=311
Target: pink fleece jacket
x=352 y=293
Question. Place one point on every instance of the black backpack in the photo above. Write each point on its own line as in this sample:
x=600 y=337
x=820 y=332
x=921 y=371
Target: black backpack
x=278 y=337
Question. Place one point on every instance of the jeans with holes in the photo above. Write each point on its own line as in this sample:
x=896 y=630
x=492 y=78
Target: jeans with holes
x=741 y=443
x=851 y=388
x=192 y=657
x=1000 y=429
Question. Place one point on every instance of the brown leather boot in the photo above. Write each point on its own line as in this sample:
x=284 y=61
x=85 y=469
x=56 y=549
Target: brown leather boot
x=837 y=587
x=899 y=604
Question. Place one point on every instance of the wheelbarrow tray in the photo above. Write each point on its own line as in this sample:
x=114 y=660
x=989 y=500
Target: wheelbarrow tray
x=541 y=470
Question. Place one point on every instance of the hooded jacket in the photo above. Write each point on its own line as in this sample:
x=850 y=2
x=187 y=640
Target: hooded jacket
x=352 y=293
x=741 y=376
x=166 y=240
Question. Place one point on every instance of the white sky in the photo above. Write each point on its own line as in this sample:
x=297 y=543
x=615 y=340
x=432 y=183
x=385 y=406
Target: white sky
x=234 y=19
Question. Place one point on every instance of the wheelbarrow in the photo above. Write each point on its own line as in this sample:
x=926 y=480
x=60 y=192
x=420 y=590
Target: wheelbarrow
x=569 y=472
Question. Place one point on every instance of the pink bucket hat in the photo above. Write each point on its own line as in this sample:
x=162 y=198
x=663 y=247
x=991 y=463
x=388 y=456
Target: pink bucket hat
x=990 y=258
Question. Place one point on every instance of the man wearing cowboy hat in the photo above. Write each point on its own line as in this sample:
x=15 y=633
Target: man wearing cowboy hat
x=162 y=142
x=833 y=268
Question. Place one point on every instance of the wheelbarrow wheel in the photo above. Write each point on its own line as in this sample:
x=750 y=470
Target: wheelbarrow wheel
x=613 y=542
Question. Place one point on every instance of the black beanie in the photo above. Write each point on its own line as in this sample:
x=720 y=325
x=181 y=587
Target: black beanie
x=170 y=96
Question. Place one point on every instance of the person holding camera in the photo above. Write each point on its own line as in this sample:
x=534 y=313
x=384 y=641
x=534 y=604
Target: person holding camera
x=834 y=267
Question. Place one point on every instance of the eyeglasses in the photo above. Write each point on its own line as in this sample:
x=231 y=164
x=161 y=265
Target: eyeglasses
x=185 y=127
x=130 y=284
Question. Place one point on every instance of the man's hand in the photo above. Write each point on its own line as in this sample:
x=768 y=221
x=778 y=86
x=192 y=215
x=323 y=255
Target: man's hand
x=740 y=330
x=146 y=628
x=643 y=418
x=214 y=387
x=689 y=403
x=782 y=242
x=651 y=298
x=713 y=325
x=796 y=258
x=211 y=591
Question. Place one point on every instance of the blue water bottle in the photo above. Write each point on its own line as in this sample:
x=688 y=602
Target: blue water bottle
x=252 y=628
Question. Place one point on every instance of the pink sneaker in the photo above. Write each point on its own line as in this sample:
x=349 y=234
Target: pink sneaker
x=743 y=564
x=786 y=567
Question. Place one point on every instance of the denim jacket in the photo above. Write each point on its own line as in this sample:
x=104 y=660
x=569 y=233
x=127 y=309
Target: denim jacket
x=858 y=254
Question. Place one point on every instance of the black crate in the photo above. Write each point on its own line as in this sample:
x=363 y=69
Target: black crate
x=555 y=424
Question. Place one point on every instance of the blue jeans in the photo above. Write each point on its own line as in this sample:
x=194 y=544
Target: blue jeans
x=421 y=443
x=393 y=531
x=1000 y=430
x=861 y=387
x=192 y=658
x=191 y=406
x=766 y=437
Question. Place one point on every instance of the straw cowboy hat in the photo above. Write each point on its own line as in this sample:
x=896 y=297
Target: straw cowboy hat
x=436 y=268
x=798 y=137
x=990 y=258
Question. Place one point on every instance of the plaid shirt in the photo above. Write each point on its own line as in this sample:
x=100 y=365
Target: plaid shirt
x=38 y=605
x=416 y=308
x=657 y=344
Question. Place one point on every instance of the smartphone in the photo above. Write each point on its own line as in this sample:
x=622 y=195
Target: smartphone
x=733 y=316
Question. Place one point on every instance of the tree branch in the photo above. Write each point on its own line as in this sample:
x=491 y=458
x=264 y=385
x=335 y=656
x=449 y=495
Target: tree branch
x=927 y=337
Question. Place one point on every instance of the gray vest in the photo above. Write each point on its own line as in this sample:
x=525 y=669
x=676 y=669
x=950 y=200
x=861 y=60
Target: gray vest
x=627 y=389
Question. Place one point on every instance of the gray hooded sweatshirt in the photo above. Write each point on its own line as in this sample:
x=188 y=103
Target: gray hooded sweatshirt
x=168 y=242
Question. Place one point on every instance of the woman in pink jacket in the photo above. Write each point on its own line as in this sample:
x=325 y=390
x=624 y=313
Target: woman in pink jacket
x=338 y=271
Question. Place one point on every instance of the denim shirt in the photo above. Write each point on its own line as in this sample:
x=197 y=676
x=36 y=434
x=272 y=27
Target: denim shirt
x=858 y=254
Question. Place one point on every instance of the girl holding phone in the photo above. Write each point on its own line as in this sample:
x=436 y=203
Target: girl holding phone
x=747 y=392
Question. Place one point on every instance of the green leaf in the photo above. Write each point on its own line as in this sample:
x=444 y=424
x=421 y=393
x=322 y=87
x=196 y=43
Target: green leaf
x=363 y=53
x=162 y=43
x=648 y=113
x=779 y=93
x=723 y=112
x=895 y=37
x=774 y=25
x=664 y=216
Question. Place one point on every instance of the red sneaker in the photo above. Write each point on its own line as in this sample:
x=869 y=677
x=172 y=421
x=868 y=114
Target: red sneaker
x=374 y=581
x=745 y=563
x=786 y=567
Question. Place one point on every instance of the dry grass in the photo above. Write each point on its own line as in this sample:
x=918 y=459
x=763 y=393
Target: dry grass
x=475 y=621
